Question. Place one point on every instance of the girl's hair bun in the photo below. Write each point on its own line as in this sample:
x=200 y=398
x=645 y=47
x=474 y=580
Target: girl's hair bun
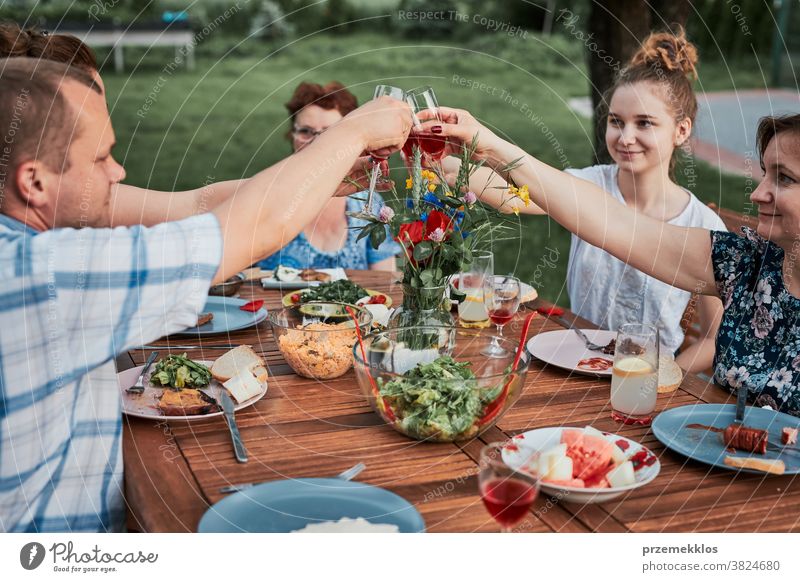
x=671 y=51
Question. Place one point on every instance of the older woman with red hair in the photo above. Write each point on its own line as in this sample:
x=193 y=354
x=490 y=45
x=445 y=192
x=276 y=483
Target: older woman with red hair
x=330 y=240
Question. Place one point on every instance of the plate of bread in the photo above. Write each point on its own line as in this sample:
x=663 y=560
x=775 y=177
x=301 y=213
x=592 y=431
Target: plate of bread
x=177 y=388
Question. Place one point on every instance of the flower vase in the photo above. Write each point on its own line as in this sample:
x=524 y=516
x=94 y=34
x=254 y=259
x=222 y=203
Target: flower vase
x=423 y=306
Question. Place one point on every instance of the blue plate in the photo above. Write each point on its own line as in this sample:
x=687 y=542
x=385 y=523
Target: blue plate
x=288 y=505
x=706 y=446
x=227 y=317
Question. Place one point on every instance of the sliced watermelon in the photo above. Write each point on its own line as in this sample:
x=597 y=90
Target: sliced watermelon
x=591 y=455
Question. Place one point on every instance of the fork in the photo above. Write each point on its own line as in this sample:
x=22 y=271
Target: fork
x=589 y=344
x=138 y=388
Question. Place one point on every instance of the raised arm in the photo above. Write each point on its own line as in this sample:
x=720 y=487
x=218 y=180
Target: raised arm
x=276 y=204
x=676 y=255
x=490 y=187
x=131 y=205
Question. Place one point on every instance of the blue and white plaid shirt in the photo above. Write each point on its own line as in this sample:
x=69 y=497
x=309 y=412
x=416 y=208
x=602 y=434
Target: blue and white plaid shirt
x=70 y=300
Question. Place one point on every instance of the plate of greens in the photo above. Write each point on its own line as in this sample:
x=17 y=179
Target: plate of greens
x=170 y=373
x=342 y=291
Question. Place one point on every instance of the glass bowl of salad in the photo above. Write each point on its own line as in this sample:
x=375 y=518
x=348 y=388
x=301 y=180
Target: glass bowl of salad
x=430 y=384
x=316 y=339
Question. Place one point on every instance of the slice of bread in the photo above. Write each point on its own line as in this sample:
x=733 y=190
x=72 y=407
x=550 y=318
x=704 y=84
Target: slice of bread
x=775 y=466
x=670 y=374
x=240 y=358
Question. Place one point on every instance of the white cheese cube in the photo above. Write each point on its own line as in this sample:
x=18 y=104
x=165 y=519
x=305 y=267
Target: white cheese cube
x=243 y=386
x=621 y=475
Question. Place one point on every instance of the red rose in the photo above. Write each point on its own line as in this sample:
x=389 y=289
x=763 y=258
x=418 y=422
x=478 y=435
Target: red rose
x=411 y=233
x=438 y=219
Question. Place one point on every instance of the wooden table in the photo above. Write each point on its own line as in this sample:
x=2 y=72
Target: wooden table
x=305 y=428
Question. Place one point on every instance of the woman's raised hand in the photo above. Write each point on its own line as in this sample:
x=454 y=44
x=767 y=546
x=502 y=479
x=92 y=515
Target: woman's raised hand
x=460 y=127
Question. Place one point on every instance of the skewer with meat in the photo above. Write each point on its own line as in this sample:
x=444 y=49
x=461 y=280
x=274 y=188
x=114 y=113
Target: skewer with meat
x=745 y=439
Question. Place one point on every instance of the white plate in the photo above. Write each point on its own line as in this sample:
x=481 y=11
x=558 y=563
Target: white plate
x=336 y=274
x=528 y=292
x=542 y=439
x=564 y=349
x=145 y=405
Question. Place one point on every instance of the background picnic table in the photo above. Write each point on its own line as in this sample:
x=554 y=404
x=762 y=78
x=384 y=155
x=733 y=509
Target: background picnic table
x=307 y=428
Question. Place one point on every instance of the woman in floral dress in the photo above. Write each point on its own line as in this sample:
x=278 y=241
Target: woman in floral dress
x=757 y=275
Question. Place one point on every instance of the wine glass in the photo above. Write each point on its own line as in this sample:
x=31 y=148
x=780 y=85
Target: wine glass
x=432 y=146
x=375 y=173
x=507 y=493
x=634 y=377
x=501 y=295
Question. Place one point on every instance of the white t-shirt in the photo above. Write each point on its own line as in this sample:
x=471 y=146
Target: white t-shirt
x=609 y=293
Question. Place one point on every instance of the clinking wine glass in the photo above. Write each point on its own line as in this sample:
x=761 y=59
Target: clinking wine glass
x=501 y=295
x=507 y=493
x=634 y=377
x=375 y=173
x=431 y=145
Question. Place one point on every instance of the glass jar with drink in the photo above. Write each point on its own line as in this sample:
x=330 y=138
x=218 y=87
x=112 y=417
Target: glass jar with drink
x=472 y=312
x=634 y=377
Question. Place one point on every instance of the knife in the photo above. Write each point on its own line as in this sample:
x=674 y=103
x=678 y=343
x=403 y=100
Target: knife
x=741 y=402
x=236 y=437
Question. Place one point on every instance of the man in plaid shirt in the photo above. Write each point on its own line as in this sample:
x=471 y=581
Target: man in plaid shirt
x=74 y=293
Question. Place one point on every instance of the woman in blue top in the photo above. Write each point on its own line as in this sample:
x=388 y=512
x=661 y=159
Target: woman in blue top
x=330 y=239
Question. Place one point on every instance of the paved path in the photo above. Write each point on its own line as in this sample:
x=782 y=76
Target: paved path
x=725 y=129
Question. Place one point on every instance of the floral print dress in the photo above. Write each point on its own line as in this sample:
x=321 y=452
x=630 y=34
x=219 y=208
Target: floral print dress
x=758 y=344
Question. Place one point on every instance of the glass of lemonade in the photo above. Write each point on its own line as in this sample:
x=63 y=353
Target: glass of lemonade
x=634 y=378
x=472 y=312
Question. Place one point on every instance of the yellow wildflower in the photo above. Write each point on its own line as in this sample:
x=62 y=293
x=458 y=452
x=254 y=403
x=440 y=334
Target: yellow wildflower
x=431 y=187
x=524 y=195
x=515 y=210
x=448 y=193
x=409 y=183
x=429 y=176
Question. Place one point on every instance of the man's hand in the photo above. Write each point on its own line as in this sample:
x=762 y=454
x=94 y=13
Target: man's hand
x=383 y=125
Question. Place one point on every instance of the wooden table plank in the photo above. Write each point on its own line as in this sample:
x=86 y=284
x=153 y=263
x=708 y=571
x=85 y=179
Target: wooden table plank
x=306 y=428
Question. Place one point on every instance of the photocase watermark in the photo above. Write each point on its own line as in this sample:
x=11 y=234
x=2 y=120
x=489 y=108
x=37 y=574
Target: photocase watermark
x=313 y=175
x=486 y=22
x=569 y=20
x=450 y=486
x=749 y=184
x=6 y=148
x=182 y=54
x=65 y=558
x=741 y=19
x=546 y=262
x=99 y=8
x=506 y=97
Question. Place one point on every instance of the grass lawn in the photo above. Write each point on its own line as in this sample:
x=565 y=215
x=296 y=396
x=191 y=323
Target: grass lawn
x=178 y=129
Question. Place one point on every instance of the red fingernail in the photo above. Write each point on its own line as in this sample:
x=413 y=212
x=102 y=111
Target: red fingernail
x=436 y=129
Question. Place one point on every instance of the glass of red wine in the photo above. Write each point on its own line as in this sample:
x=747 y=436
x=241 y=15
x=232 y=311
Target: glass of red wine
x=507 y=493
x=501 y=295
x=367 y=213
x=432 y=145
